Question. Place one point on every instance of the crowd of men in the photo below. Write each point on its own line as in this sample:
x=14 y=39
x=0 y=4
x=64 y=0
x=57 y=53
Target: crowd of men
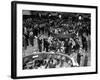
x=59 y=35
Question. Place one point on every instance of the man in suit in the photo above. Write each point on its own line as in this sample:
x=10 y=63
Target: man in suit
x=46 y=44
x=66 y=46
x=40 y=44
